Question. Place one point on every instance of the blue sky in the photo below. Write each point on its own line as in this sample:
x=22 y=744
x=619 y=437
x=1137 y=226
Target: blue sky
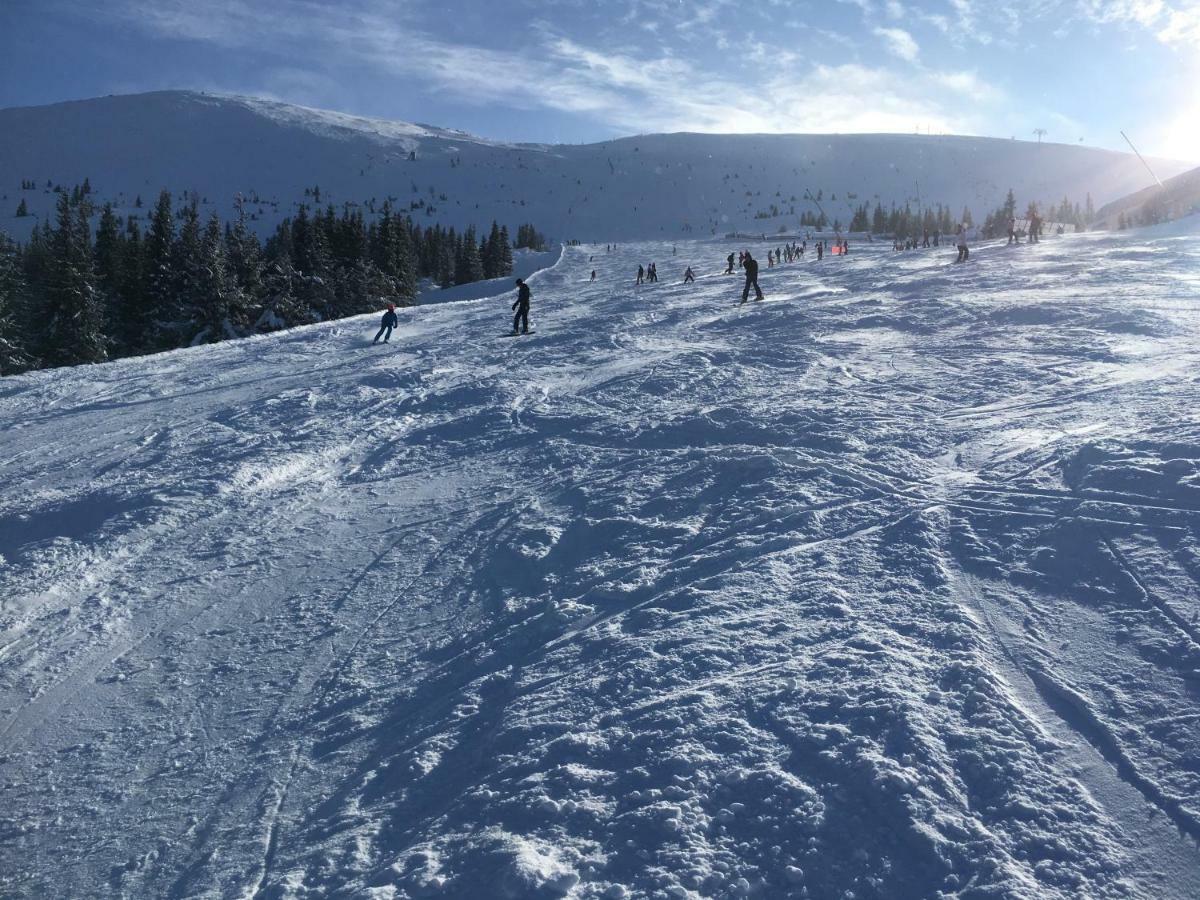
x=582 y=70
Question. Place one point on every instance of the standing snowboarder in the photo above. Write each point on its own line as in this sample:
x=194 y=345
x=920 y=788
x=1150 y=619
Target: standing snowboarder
x=641 y=275
x=750 y=264
x=689 y=276
x=389 y=322
x=522 y=307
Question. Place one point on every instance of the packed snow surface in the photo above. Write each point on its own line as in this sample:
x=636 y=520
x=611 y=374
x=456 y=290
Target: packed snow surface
x=886 y=587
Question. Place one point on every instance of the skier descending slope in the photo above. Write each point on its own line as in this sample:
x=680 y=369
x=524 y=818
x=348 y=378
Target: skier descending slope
x=963 y=250
x=389 y=322
x=689 y=276
x=522 y=307
x=750 y=264
x=729 y=268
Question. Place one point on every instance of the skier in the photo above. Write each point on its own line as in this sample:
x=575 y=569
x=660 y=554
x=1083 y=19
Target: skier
x=750 y=264
x=729 y=269
x=770 y=259
x=389 y=322
x=963 y=250
x=641 y=275
x=522 y=307
x=1012 y=231
x=593 y=274
x=689 y=276
x=820 y=250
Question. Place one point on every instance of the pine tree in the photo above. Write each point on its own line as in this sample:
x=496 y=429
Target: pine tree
x=147 y=324
x=13 y=354
x=490 y=255
x=219 y=301
x=128 y=305
x=282 y=304
x=505 y=253
x=22 y=209
x=72 y=318
x=1009 y=210
x=246 y=265
x=184 y=317
x=445 y=272
x=109 y=255
x=392 y=254
x=310 y=250
x=467 y=264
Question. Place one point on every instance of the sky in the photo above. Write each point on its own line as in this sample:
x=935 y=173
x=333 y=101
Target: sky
x=1078 y=71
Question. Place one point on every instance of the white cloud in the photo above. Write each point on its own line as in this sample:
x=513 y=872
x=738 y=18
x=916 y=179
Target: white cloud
x=900 y=43
x=1182 y=26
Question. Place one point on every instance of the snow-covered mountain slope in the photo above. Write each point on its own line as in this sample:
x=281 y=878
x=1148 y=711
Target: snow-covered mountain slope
x=655 y=186
x=886 y=587
x=1177 y=197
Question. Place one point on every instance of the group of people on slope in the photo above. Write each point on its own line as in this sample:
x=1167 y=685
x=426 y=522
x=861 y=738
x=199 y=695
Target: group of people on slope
x=747 y=263
x=1033 y=234
x=647 y=273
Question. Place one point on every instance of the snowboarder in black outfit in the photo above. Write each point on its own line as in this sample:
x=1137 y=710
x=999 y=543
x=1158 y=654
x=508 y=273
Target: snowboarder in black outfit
x=689 y=275
x=750 y=264
x=389 y=322
x=729 y=269
x=522 y=307
x=641 y=275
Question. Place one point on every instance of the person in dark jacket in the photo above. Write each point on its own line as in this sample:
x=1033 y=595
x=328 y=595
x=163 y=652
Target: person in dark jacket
x=522 y=307
x=389 y=322
x=689 y=276
x=729 y=268
x=750 y=264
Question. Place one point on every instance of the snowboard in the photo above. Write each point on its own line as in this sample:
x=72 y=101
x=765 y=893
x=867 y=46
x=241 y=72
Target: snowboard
x=526 y=334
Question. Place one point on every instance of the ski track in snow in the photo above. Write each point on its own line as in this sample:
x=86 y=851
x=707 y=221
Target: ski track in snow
x=886 y=587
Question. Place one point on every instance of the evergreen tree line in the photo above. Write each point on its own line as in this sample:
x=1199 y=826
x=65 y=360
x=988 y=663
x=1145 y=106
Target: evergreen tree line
x=995 y=224
x=69 y=297
x=905 y=222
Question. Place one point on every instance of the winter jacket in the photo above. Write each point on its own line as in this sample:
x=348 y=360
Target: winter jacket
x=522 y=296
x=389 y=319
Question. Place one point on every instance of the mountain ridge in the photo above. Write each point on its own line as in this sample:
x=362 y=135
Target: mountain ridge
x=683 y=184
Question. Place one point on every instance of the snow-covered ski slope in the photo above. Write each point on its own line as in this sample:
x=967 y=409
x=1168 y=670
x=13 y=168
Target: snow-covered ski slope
x=668 y=186
x=886 y=587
